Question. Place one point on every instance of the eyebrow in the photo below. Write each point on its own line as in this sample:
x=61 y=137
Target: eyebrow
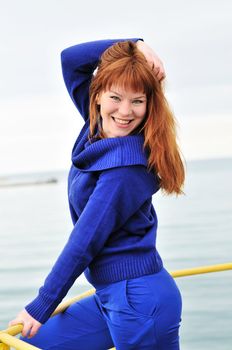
x=132 y=98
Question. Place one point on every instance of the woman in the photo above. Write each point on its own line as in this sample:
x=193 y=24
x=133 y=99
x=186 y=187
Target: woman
x=125 y=153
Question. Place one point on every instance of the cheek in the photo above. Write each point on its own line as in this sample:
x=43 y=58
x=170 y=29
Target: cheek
x=142 y=112
x=107 y=108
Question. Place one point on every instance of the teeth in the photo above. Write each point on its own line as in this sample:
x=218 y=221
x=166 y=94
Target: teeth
x=120 y=121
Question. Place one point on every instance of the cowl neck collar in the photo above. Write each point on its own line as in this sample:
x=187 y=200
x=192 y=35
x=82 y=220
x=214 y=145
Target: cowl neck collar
x=106 y=153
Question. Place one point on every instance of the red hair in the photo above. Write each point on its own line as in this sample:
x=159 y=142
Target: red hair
x=125 y=66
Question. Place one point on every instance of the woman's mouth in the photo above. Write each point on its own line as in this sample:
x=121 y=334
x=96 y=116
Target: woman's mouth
x=122 y=122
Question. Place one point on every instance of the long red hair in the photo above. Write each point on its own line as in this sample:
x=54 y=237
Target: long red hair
x=125 y=66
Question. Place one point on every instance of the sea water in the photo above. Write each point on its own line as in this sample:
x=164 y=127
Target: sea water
x=194 y=230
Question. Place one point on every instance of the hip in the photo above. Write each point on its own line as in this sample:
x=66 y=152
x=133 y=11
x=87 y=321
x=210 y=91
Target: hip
x=144 y=296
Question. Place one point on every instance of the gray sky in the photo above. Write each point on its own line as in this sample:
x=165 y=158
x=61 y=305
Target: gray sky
x=38 y=120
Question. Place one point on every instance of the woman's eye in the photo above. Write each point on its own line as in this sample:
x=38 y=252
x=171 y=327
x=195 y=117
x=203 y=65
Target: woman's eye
x=137 y=102
x=115 y=98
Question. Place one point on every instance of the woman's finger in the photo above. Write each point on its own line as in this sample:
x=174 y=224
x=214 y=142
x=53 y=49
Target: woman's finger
x=158 y=68
x=34 y=330
x=160 y=75
x=159 y=72
x=15 y=322
x=26 y=329
x=30 y=325
x=26 y=326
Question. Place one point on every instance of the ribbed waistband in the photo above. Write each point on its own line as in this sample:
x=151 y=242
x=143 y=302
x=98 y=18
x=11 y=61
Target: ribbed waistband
x=122 y=269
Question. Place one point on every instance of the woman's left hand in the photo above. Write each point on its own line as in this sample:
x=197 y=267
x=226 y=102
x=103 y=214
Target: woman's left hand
x=153 y=60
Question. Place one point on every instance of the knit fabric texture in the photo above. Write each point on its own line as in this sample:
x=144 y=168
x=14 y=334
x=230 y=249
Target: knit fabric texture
x=110 y=199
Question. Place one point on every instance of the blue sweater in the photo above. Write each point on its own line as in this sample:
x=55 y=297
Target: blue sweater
x=110 y=199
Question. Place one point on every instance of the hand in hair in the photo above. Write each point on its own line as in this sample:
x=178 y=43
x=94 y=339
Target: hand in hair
x=153 y=60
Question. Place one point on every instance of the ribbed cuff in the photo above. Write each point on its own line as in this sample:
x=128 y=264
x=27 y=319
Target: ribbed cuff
x=41 y=308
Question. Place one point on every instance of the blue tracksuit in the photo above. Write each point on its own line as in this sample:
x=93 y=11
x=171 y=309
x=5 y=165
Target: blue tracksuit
x=137 y=304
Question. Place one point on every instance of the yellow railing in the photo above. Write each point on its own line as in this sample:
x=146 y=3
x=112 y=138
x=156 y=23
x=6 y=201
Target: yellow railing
x=8 y=340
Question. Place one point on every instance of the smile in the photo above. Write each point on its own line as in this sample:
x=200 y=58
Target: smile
x=122 y=121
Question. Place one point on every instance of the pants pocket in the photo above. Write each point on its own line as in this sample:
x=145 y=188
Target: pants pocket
x=139 y=297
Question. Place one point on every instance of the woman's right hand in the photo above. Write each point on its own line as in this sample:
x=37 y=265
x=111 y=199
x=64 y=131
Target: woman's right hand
x=30 y=325
x=152 y=58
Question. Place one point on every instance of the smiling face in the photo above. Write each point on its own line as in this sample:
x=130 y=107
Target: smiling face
x=121 y=111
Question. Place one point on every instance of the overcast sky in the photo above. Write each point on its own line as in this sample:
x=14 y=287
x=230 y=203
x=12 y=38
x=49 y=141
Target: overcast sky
x=38 y=121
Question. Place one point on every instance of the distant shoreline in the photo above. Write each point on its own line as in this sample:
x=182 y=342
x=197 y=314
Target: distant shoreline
x=62 y=172
x=29 y=183
x=55 y=176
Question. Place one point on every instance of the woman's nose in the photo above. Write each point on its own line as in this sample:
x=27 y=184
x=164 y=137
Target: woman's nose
x=125 y=108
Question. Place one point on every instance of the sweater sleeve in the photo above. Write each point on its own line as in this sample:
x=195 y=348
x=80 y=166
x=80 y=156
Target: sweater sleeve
x=118 y=194
x=78 y=64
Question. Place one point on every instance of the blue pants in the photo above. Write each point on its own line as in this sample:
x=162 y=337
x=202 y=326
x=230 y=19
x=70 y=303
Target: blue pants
x=140 y=313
